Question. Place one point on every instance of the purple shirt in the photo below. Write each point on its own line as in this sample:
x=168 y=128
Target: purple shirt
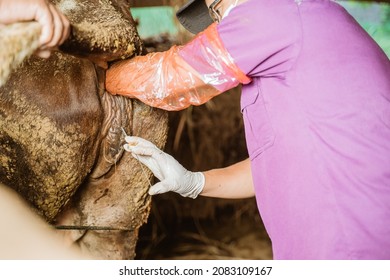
x=317 y=124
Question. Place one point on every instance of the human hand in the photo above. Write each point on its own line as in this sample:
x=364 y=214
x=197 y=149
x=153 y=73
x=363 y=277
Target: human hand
x=55 y=26
x=172 y=175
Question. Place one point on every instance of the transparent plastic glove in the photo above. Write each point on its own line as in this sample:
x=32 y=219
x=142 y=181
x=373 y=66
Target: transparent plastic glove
x=172 y=175
x=180 y=77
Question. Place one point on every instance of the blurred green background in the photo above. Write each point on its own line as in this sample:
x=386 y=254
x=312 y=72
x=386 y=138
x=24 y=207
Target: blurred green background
x=374 y=18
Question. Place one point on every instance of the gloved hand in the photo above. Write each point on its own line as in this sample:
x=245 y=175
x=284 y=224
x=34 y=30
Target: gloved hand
x=172 y=175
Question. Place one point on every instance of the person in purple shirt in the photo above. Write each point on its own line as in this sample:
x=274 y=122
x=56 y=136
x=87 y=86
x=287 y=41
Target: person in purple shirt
x=316 y=107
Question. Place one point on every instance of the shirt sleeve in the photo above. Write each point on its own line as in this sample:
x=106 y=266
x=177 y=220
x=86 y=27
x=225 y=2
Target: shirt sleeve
x=262 y=36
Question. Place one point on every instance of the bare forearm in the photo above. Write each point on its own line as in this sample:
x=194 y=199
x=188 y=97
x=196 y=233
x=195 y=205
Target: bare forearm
x=27 y=236
x=234 y=181
x=231 y=182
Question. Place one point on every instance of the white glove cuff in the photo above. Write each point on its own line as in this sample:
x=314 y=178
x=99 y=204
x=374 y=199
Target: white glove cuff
x=198 y=181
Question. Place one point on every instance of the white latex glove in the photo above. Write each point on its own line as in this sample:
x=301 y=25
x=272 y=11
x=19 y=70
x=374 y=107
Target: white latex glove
x=172 y=175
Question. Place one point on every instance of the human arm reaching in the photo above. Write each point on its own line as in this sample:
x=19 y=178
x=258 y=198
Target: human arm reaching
x=25 y=235
x=182 y=76
x=55 y=26
x=234 y=181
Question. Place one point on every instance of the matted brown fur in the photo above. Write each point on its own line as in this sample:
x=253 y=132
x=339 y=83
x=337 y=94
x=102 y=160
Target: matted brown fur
x=18 y=41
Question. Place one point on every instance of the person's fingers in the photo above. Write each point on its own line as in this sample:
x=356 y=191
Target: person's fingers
x=141 y=150
x=45 y=17
x=135 y=141
x=127 y=147
x=58 y=29
x=140 y=146
x=152 y=164
x=43 y=53
x=132 y=139
x=131 y=142
x=66 y=28
x=148 y=161
x=55 y=27
x=16 y=12
x=159 y=188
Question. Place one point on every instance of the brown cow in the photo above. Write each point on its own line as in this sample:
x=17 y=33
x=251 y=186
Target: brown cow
x=61 y=138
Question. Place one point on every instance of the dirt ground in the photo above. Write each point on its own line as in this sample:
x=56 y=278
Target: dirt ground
x=235 y=232
x=202 y=138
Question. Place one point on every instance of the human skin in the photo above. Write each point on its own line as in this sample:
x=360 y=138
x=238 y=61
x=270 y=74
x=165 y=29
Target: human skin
x=55 y=26
x=232 y=182
x=41 y=242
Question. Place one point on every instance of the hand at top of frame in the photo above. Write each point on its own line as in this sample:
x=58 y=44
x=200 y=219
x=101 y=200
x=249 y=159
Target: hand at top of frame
x=55 y=26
